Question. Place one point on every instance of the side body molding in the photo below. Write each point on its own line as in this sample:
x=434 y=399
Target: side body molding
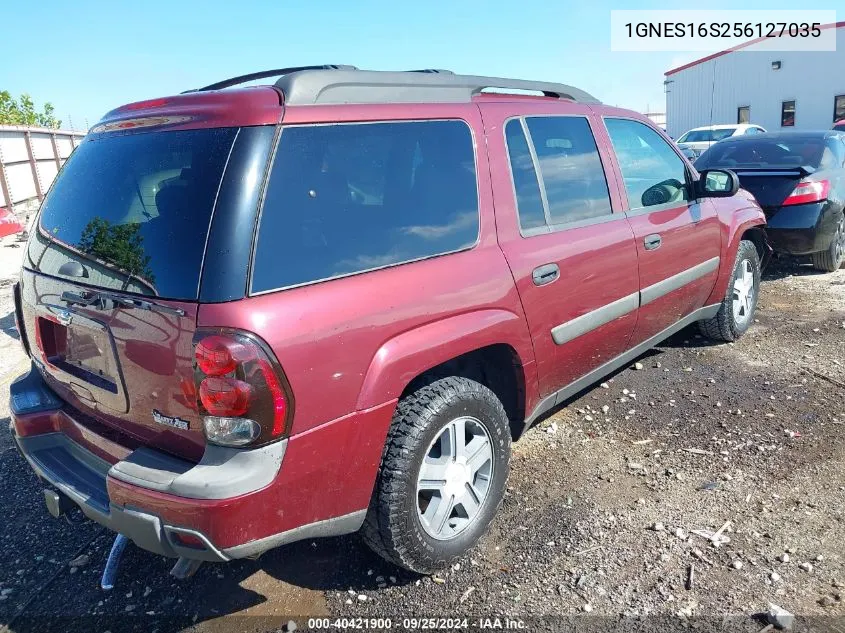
x=400 y=359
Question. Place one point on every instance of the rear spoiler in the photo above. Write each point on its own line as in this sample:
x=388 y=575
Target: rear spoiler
x=801 y=171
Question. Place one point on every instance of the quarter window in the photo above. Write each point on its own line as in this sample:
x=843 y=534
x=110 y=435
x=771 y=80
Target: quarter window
x=653 y=173
x=787 y=114
x=529 y=201
x=347 y=198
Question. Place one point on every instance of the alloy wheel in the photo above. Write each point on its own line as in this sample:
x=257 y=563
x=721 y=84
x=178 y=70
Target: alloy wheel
x=744 y=292
x=454 y=479
x=839 y=241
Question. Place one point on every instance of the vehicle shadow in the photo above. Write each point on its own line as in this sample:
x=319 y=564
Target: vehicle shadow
x=783 y=266
x=8 y=327
x=689 y=337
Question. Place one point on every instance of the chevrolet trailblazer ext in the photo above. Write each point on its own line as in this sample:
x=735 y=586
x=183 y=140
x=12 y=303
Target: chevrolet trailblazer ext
x=281 y=312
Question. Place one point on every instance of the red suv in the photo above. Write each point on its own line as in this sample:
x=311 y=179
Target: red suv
x=326 y=305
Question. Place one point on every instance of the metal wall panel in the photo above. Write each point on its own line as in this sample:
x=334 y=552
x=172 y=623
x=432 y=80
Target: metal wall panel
x=42 y=146
x=65 y=145
x=47 y=170
x=13 y=147
x=21 y=184
x=710 y=92
x=24 y=191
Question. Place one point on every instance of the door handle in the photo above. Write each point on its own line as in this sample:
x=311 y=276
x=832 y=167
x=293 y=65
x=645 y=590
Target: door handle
x=545 y=274
x=652 y=242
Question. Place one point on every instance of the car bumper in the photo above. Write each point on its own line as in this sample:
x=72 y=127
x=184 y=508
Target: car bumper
x=234 y=503
x=801 y=229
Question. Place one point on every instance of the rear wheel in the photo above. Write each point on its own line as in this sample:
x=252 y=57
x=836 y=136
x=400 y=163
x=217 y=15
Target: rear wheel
x=736 y=311
x=831 y=259
x=442 y=475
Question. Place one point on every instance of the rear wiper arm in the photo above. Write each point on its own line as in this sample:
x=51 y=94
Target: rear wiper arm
x=99 y=300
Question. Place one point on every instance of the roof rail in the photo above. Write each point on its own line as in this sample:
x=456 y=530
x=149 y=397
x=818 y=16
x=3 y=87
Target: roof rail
x=344 y=85
x=263 y=74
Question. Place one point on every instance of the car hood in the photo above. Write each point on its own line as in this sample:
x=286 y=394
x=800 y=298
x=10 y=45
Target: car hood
x=700 y=145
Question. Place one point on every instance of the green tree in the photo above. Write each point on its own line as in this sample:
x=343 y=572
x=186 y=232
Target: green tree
x=22 y=112
x=121 y=245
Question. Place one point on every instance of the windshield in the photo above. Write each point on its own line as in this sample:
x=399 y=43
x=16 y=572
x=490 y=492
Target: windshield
x=779 y=153
x=705 y=136
x=131 y=212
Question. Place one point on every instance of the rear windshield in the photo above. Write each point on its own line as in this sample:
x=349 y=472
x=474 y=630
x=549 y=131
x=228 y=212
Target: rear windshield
x=779 y=153
x=347 y=198
x=131 y=212
x=705 y=136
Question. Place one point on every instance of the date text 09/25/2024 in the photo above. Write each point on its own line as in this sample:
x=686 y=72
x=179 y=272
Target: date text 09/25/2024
x=417 y=624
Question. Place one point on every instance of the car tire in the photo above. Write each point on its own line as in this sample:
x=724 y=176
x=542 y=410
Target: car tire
x=832 y=259
x=401 y=523
x=736 y=312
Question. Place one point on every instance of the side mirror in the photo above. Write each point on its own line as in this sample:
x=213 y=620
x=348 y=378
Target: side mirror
x=717 y=183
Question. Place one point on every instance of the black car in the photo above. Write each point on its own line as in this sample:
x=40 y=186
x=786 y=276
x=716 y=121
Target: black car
x=798 y=177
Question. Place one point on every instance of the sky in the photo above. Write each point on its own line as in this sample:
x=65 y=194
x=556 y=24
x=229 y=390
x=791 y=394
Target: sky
x=90 y=56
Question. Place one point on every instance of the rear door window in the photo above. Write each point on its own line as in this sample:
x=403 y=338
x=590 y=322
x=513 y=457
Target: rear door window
x=131 y=212
x=347 y=198
x=571 y=170
x=571 y=187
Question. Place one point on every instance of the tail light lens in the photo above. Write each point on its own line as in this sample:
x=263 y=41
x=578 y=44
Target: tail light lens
x=805 y=192
x=242 y=394
x=16 y=294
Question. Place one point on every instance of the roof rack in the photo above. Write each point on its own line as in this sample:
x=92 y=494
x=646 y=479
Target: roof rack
x=338 y=84
x=376 y=86
x=264 y=74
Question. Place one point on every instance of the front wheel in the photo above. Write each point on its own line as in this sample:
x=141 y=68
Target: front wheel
x=442 y=475
x=831 y=260
x=736 y=312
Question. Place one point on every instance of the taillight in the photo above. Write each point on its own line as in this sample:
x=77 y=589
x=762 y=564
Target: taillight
x=225 y=396
x=16 y=294
x=805 y=192
x=242 y=394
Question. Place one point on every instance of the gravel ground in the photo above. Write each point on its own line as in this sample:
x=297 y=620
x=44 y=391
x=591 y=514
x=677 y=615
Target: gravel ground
x=604 y=501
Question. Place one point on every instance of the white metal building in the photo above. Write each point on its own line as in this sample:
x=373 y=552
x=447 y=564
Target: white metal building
x=745 y=84
x=29 y=160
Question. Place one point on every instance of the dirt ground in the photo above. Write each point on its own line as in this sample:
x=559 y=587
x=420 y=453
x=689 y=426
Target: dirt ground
x=609 y=506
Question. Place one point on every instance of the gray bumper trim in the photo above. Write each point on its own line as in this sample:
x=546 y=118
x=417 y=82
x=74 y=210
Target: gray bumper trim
x=81 y=476
x=222 y=472
x=337 y=526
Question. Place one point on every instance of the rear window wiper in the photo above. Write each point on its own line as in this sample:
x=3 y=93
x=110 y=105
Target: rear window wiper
x=100 y=301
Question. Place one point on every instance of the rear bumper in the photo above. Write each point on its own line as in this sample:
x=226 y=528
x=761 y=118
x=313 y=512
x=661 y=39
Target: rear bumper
x=802 y=229
x=234 y=503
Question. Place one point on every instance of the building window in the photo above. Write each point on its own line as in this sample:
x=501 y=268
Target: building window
x=743 y=114
x=838 y=108
x=787 y=114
